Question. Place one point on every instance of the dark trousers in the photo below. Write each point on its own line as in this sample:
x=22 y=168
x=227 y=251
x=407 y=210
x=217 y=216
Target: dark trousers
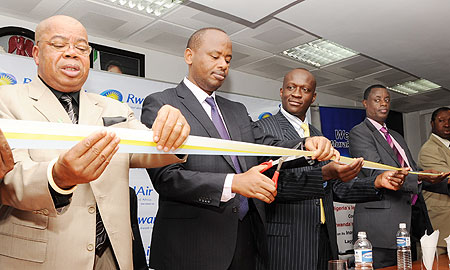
x=324 y=249
x=245 y=252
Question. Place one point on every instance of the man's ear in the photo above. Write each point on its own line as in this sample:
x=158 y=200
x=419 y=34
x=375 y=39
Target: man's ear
x=364 y=102
x=188 y=54
x=35 y=53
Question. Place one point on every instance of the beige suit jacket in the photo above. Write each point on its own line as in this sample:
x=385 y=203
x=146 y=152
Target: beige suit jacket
x=32 y=234
x=434 y=155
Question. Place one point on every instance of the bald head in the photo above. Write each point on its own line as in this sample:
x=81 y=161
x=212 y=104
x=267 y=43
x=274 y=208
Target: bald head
x=50 y=23
x=196 y=39
x=61 y=53
x=299 y=71
x=298 y=92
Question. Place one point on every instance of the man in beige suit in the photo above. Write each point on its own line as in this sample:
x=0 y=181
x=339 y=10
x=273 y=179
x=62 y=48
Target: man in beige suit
x=57 y=205
x=6 y=158
x=435 y=154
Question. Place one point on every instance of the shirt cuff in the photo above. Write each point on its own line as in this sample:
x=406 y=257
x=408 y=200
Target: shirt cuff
x=227 y=194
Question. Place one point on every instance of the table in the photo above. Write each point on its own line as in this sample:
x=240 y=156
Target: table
x=443 y=264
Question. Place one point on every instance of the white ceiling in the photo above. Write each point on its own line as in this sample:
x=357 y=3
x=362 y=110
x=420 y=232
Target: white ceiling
x=398 y=40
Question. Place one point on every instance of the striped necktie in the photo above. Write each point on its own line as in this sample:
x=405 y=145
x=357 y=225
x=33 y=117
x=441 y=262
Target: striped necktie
x=306 y=133
x=68 y=106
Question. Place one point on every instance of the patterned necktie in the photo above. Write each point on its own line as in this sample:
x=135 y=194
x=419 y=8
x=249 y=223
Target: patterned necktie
x=306 y=133
x=220 y=126
x=68 y=106
x=392 y=145
x=398 y=155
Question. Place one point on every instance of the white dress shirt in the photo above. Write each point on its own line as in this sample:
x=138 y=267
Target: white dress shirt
x=201 y=97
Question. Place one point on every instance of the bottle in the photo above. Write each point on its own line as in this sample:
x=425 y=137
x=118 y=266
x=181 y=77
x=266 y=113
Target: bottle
x=363 y=252
x=403 y=248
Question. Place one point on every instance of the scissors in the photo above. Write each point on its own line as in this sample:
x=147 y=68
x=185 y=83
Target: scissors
x=279 y=162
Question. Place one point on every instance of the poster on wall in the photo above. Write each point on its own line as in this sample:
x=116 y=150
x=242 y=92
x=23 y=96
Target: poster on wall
x=336 y=124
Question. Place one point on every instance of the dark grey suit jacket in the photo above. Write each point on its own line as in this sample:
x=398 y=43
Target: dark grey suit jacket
x=380 y=219
x=293 y=220
x=193 y=228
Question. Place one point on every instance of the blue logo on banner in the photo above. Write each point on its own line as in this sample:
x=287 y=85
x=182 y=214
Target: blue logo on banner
x=7 y=79
x=145 y=220
x=264 y=115
x=112 y=93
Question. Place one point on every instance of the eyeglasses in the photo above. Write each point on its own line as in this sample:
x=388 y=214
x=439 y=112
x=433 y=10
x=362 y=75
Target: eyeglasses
x=60 y=46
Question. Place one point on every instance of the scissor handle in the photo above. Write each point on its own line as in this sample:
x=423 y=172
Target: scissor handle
x=269 y=165
x=275 y=178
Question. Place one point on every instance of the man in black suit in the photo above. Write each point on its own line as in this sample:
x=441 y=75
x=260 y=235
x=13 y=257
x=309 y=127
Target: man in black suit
x=211 y=211
x=373 y=141
x=302 y=233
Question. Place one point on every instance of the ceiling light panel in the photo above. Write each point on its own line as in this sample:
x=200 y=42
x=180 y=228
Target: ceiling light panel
x=319 y=53
x=149 y=7
x=414 y=87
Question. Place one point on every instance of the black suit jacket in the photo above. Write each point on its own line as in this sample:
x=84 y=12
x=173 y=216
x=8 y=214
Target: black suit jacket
x=380 y=219
x=293 y=220
x=193 y=228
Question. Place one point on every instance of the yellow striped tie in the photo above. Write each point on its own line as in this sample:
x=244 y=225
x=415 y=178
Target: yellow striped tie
x=306 y=133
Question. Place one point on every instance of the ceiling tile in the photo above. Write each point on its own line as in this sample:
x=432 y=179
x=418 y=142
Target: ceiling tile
x=437 y=98
x=35 y=10
x=104 y=20
x=196 y=19
x=250 y=10
x=243 y=55
x=355 y=67
x=273 y=36
x=324 y=78
x=388 y=77
x=162 y=36
x=274 y=67
x=349 y=89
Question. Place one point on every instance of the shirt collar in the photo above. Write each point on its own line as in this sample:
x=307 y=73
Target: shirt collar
x=442 y=140
x=75 y=95
x=377 y=125
x=197 y=91
x=294 y=120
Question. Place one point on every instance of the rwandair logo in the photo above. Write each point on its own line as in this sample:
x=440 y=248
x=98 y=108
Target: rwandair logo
x=6 y=79
x=264 y=115
x=111 y=93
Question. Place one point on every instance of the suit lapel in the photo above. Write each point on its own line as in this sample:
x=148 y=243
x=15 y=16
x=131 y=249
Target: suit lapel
x=191 y=103
x=288 y=131
x=39 y=92
x=231 y=121
x=90 y=111
x=195 y=108
x=439 y=144
x=382 y=141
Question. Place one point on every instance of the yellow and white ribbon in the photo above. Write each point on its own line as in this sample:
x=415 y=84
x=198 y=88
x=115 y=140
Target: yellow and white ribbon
x=45 y=135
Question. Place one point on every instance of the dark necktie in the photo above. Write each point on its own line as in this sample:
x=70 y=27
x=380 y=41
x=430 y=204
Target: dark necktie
x=68 y=106
x=220 y=126
x=398 y=155
x=101 y=237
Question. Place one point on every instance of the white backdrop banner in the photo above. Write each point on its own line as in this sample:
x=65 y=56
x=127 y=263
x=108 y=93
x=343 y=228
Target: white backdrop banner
x=131 y=90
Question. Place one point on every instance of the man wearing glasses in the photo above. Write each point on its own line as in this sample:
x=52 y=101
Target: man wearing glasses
x=70 y=209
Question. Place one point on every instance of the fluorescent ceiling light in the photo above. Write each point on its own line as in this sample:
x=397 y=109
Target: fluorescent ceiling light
x=414 y=87
x=149 y=7
x=319 y=52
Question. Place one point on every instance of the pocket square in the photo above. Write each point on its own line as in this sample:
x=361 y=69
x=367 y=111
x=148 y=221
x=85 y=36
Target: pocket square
x=109 y=121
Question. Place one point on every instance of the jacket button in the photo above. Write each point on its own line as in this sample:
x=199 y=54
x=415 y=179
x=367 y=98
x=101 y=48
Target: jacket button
x=45 y=212
x=90 y=247
x=234 y=209
x=91 y=210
